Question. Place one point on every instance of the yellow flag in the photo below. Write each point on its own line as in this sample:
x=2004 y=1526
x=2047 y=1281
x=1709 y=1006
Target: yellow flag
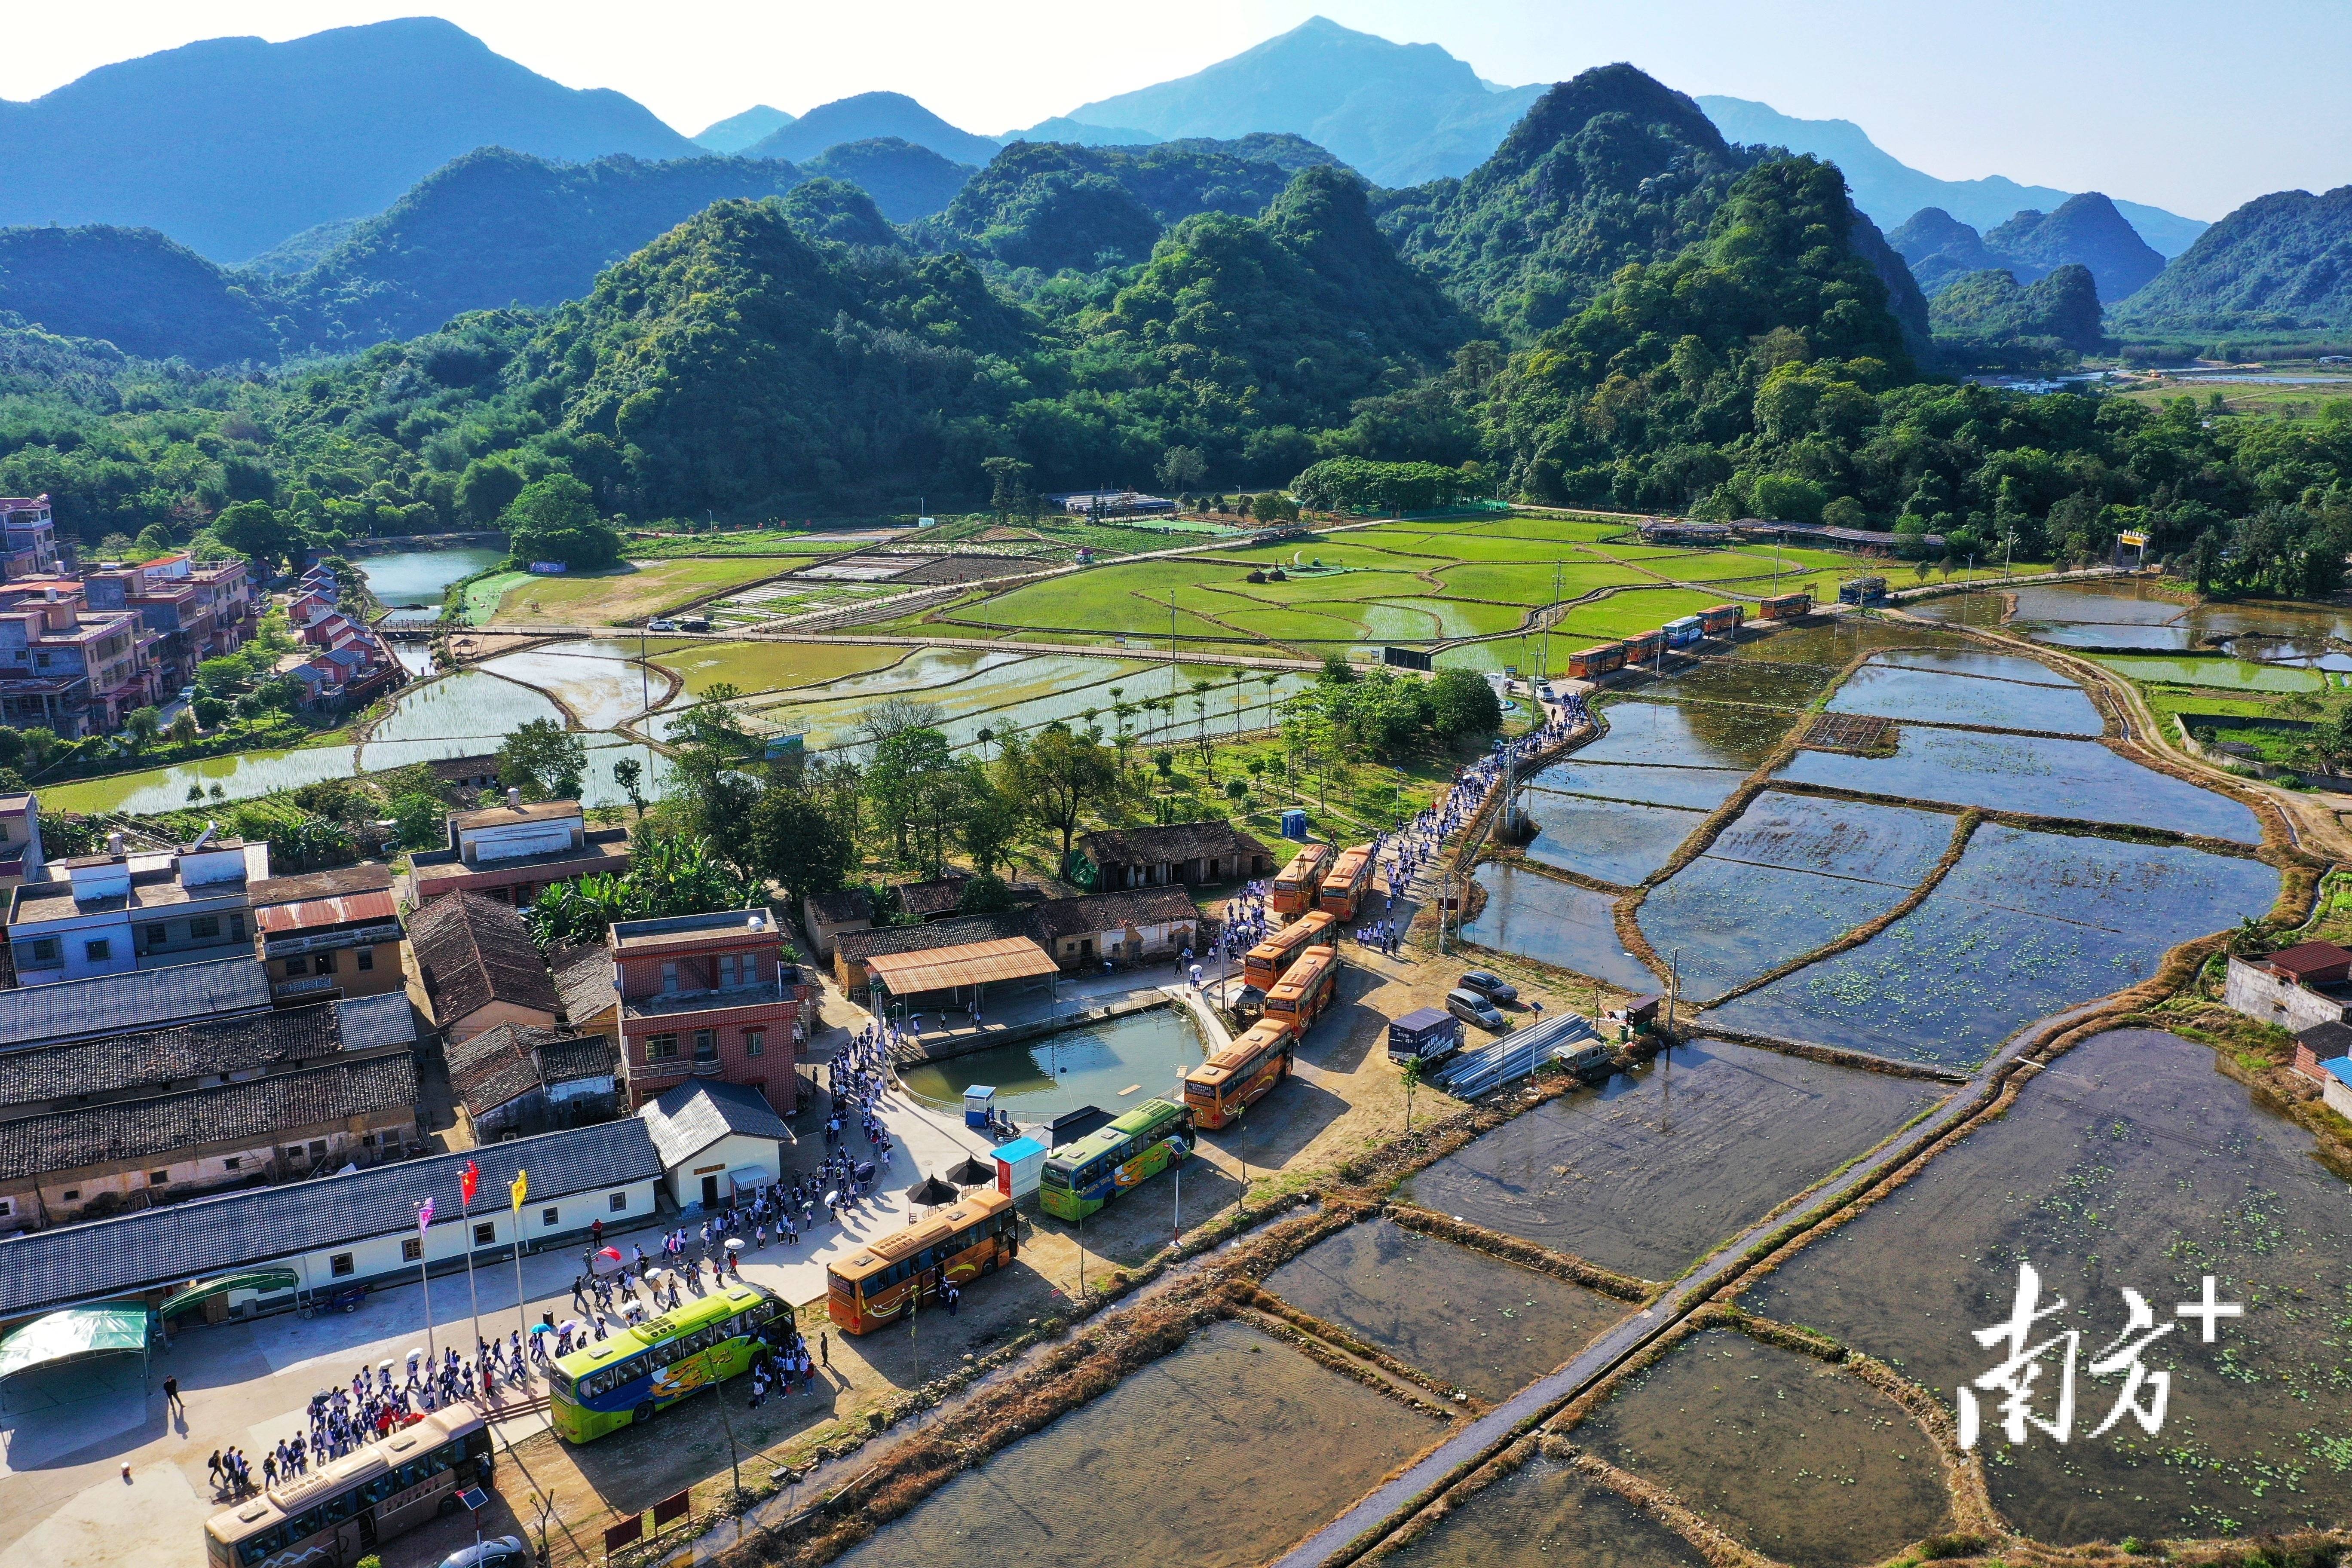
x=522 y=1186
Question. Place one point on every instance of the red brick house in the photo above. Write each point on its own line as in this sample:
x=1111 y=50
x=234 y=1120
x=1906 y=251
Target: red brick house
x=705 y=996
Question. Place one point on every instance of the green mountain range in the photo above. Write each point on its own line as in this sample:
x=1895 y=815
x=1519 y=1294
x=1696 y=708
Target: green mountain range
x=907 y=182
x=2086 y=230
x=137 y=290
x=232 y=144
x=2281 y=261
x=738 y=132
x=867 y=117
x=1989 y=320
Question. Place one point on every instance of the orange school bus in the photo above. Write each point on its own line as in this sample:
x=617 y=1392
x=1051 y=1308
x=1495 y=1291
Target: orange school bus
x=1296 y=885
x=1263 y=964
x=878 y=1285
x=1221 y=1088
x=1300 y=997
x=1345 y=885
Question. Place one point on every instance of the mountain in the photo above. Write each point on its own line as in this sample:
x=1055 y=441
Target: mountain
x=1402 y=113
x=844 y=214
x=497 y=228
x=296 y=254
x=867 y=117
x=2087 y=230
x=907 y=182
x=232 y=144
x=1076 y=132
x=1054 y=204
x=1890 y=189
x=134 y=288
x=2281 y=260
x=1988 y=320
x=738 y=131
x=1610 y=168
x=1939 y=248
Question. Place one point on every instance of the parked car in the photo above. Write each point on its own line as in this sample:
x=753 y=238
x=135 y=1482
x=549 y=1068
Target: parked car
x=495 y=1551
x=661 y=625
x=1493 y=987
x=1472 y=1008
x=693 y=622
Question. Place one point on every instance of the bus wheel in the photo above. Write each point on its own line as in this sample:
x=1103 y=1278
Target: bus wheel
x=642 y=1413
x=448 y=1505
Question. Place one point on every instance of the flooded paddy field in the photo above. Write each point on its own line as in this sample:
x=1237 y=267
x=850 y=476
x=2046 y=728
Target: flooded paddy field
x=1547 y=1515
x=2030 y=774
x=1472 y=1321
x=2025 y=925
x=1555 y=923
x=472 y=703
x=1697 y=734
x=1963 y=661
x=1695 y=789
x=1146 y=1053
x=2129 y=1163
x=1940 y=697
x=597 y=680
x=1835 y=641
x=1788 y=1455
x=1218 y=1456
x=2218 y=674
x=1610 y=840
x=1751 y=681
x=1646 y=1174
x=1792 y=875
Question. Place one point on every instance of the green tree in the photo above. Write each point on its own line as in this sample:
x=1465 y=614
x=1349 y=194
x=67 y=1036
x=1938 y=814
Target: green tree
x=141 y=726
x=917 y=786
x=630 y=774
x=799 y=845
x=1058 y=776
x=259 y=530
x=544 y=760
x=1008 y=481
x=554 y=519
x=487 y=487
x=1181 y=468
x=1462 y=704
x=418 y=816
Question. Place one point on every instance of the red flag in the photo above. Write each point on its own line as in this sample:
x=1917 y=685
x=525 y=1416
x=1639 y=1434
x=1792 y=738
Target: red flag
x=467 y=1183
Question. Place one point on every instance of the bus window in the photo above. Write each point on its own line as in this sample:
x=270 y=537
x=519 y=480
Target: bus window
x=254 y=1549
x=307 y=1523
x=338 y=1508
x=380 y=1488
x=478 y=1442
x=559 y=1382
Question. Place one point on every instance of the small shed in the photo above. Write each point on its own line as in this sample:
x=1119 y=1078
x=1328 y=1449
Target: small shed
x=1019 y=1165
x=979 y=1105
x=1294 y=823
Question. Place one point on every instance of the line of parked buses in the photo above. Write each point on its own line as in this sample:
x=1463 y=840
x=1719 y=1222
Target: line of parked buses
x=344 y=1510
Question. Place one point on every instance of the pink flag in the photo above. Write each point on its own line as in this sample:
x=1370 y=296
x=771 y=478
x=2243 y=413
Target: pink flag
x=425 y=1216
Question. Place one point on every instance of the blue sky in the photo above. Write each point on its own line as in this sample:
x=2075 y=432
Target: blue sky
x=2193 y=106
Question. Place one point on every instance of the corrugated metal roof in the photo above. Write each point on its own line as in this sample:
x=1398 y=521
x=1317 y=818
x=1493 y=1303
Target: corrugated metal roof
x=333 y=911
x=973 y=963
x=146 y=999
x=179 y=1242
x=700 y=1111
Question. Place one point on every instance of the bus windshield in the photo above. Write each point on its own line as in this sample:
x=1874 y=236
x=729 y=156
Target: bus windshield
x=558 y=1382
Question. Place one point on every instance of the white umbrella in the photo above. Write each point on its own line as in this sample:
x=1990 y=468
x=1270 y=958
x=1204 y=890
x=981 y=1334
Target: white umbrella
x=734 y=1244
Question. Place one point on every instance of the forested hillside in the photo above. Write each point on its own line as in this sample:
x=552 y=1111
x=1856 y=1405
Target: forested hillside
x=135 y=289
x=1988 y=320
x=2086 y=230
x=907 y=182
x=865 y=118
x=2279 y=261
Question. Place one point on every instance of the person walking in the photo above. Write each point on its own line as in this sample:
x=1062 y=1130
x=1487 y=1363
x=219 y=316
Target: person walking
x=172 y=1400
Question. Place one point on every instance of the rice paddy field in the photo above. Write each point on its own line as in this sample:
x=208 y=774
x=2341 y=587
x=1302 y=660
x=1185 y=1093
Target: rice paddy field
x=632 y=592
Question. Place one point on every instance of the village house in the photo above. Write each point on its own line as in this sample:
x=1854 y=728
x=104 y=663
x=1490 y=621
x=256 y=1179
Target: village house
x=716 y=1140
x=120 y=911
x=1118 y=859
x=329 y=933
x=511 y=852
x=108 y=1005
x=477 y=968
x=67 y=668
x=1119 y=928
x=20 y=840
x=2294 y=988
x=706 y=995
x=516 y=1080
x=826 y=916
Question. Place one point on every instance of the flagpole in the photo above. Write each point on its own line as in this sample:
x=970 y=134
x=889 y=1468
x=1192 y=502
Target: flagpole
x=423 y=1218
x=466 y=1218
x=522 y=1323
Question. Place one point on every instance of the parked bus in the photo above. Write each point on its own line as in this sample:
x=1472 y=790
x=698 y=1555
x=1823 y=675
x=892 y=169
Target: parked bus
x=869 y=1288
x=1296 y=885
x=1596 y=661
x=1306 y=989
x=1722 y=620
x=1786 y=607
x=622 y=1381
x=1236 y=1077
x=1263 y=964
x=343 y=1510
x=1345 y=885
x=1080 y=1177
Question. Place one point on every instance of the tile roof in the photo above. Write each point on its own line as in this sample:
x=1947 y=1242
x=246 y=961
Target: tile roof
x=474 y=951
x=1114 y=912
x=857 y=946
x=578 y=1056
x=367 y=876
x=179 y=1242
x=145 y=999
x=936 y=897
x=836 y=909
x=972 y=964
x=257 y=1110
x=502 y=814
x=157 y=1056
x=369 y=1022
x=583 y=980
x=1178 y=841
x=701 y=1111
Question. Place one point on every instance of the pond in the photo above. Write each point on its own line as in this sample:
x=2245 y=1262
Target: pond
x=419 y=578
x=1467 y=1318
x=1546 y=1515
x=1805 y=1463
x=596 y=679
x=1648 y=1173
x=1755 y=681
x=1696 y=734
x=2130 y=1163
x=2030 y=774
x=2220 y=674
x=2026 y=925
x=1555 y=923
x=1696 y=789
x=1218 y=1456
x=1146 y=1052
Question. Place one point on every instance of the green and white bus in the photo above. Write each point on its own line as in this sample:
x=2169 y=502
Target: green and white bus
x=623 y=1380
x=1081 y=1177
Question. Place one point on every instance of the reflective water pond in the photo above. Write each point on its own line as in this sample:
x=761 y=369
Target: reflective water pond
x=1148 y=1053
x=1547 y=1515
x=1935 y=697
x=2026 y=925
x=1219 y=1456
x=1608 y=840
x=2030 y=774
x=2130 y=1163
x=2219 y=674
x=1738 y=680
x=419 y=578
x=1699 y=789
x=1834 y=640
x=472 y=703
x=1805 y=1463
x=1961 y=661
x=240 y=778
x=1706 y=735
x=593 y=680
x=1470 y=1320
x=1555 y=923
x=1649 y=1172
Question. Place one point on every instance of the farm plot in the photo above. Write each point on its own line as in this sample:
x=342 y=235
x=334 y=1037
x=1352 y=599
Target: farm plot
x=2130 y=1163
x=1935 y=697
x=2030 y=774
x=1542 y=1515
x=1623 y=613
x=1555 y=923
x=625 y=595
x=1698 y=789
x=1962 y=661
x=1695 y=734
x=756 y=667
x=1736 y=680
x=2026 y=925
x=1611 y=841
x=472 y=703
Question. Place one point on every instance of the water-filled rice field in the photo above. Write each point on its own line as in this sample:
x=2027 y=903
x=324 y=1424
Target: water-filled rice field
x=1646 y=1174
x=1695 y=789
x=1611 y=841
x=2129 y=1163
x=1935 y=697
x=1544 y=1515
x=1696 y=734
x=1554 y=922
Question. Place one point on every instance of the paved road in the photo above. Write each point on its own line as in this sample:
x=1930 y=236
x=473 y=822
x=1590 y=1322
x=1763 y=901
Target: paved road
x=1481 y=1439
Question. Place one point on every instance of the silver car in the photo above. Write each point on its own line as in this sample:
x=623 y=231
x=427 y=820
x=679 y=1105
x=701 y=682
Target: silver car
x=1472 y=1008
x=495 y=1551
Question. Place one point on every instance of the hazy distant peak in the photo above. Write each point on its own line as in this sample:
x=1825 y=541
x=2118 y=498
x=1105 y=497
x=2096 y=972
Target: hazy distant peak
x=738 y=131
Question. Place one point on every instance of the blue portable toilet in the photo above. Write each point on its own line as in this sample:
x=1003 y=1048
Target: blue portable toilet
x=1294 y=823
x=979 y=1105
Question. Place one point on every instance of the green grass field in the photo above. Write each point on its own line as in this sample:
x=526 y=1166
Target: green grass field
x=772 y=666
x=612 y=598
